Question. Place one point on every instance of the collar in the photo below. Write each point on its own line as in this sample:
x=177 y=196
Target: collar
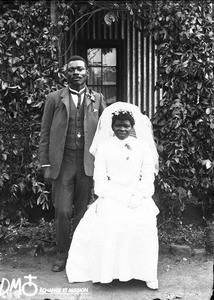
x=128 y=140
x=77 y=92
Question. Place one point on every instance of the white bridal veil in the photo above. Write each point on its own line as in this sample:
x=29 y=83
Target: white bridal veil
x=143 y=128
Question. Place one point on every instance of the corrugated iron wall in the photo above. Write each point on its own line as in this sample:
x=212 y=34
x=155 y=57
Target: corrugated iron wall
x=141 y=61
x=142 y=70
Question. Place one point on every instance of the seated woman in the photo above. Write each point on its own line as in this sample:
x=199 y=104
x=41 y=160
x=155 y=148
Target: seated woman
x=117 y=237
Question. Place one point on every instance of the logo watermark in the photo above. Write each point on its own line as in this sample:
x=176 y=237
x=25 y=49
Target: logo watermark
x=16 y=288
x=27 y=287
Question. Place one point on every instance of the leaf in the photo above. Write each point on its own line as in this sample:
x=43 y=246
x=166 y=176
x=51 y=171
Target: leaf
x=210 y=19
x=29 y=100
x=199 y=85
x=109 y=18
x=18 y=42
x=5 y=176
x=22 y=186
x=4 y=85
x=4 y=155
x=168 y=70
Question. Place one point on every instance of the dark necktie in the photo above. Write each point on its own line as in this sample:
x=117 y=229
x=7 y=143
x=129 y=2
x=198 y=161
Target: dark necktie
x=79 y=94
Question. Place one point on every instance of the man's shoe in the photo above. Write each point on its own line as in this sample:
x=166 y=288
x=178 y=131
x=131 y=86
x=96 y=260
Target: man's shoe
x=59 y=265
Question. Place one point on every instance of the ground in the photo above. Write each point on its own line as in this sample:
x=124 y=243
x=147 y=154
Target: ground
x=179 y=278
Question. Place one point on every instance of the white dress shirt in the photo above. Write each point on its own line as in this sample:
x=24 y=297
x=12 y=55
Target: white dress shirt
x=75 y=93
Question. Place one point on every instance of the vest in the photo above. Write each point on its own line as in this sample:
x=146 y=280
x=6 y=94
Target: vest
x=75 y=133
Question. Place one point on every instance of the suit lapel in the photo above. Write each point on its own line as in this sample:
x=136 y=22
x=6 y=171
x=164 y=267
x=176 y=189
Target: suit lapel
x=89 y=97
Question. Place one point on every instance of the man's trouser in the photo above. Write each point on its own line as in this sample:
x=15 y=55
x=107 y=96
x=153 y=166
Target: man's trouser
x=71 y=193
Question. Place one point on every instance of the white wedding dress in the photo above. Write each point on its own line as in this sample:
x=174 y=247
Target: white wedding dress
x=117 y=237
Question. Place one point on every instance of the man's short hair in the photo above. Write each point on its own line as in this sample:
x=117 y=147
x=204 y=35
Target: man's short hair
x=77 y=57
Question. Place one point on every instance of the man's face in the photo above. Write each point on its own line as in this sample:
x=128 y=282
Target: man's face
x=77 y=74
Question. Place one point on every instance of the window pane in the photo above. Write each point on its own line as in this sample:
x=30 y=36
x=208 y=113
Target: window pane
x=109 y=56
x=95 y=77
x=109 y=93
x=102 y=64
x=109 y=76
x=94 y=56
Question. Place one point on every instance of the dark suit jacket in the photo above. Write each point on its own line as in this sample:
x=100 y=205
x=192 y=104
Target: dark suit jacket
x=55 y=124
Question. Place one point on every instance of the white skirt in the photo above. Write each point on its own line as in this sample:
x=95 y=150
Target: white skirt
x=113 y=241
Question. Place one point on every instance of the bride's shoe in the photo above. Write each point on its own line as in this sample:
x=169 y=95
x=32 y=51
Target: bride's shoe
x=153 y=285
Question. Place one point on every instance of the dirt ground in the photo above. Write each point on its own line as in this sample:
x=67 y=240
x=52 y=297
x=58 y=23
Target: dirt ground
x=179 y=278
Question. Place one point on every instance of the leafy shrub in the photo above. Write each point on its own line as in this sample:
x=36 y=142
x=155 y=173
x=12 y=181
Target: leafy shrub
x=184 y=121
x=178 y=233
x=29 y=71
x=23 y=232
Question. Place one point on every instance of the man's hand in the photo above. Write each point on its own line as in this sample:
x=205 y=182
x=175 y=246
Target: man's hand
x=47 y=174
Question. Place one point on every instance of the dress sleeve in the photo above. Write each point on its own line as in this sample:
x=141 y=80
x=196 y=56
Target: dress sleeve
x=101 y=181
x=145 y=187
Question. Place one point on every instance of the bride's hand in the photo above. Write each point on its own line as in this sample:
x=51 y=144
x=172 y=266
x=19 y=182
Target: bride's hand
x=134 y=201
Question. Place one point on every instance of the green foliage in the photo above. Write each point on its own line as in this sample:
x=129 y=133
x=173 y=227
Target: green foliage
x=24 y=232
x=29 y=70
x=184 y=121
x=174 y=232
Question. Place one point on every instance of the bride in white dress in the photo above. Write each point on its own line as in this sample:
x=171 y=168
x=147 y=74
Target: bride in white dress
x=117 y=237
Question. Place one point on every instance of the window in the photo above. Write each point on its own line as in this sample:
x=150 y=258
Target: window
x=102 y=65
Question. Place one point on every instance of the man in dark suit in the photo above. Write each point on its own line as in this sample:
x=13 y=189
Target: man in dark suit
x=68 y=126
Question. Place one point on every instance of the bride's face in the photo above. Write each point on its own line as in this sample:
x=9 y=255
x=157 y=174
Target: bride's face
x=122 y=129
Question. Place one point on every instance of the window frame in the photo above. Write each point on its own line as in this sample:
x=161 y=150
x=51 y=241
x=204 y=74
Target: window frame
x=102 y=85
x=82 y=48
